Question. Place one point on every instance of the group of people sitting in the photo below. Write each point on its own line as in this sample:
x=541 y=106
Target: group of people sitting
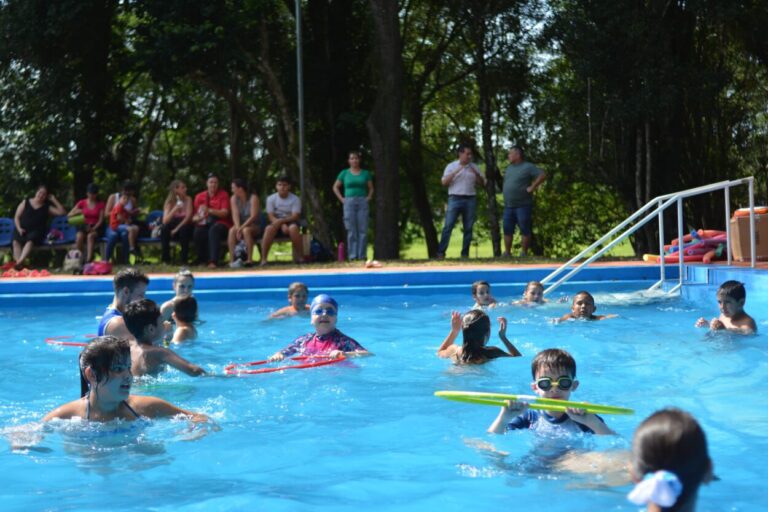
x=208 y=220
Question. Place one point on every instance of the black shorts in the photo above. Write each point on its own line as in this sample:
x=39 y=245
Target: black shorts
x=36 y=237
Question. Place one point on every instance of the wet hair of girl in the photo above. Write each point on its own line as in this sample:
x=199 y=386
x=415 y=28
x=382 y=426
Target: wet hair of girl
x=672 y=440
x=475 y=329
x=99 y=356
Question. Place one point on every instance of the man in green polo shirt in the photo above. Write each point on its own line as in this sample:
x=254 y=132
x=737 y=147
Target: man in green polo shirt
x=521 y=178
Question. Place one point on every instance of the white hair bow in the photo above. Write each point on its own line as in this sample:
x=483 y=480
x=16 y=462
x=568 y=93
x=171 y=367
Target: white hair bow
x=662 y=488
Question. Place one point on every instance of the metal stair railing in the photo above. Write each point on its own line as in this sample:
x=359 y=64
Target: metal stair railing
x=661 y=204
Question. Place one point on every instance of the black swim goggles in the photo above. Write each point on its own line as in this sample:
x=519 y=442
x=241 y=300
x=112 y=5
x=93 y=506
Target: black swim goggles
x=546 y=383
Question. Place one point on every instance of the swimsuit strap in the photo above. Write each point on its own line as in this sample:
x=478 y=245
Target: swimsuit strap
x=87 y=406
x=131 y=409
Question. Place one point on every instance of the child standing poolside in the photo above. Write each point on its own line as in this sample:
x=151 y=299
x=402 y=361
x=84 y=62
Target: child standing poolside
x=554 y=376
x=183 y=285
x=105 y=385
x=481 y=292
x=185 y=314
x=297 y=300
x=583 y=308
x=476 y=330
x=327 y=339
x=143 y=319
x=731 y=297
x=670 y=461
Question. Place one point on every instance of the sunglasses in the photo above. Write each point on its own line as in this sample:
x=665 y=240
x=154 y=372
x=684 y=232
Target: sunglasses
x=546 y=383
x=324 y=311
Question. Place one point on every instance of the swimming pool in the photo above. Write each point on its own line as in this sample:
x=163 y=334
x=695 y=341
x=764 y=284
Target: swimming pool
x=368 y=433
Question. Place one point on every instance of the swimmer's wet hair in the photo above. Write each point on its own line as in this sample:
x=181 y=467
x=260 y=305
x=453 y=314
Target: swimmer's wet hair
x=672 y=440
x=183 y=273
x=534 y=284
x=475 y=329
x=478 y=284
x=129 y=278
x=584 y=292
x=733 y=290
x=138 y=315
x=99 y=355
x=185 y=309
x=298 y=285
x=553 y=358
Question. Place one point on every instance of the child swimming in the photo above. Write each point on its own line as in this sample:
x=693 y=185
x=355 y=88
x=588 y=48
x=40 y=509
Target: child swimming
x=129 y=284
x=185 y=315
x=143 y=319
x=481 y=292
x=731 y=297
x=327 y=339
x=554 y=376
x=669 y=462
x=533 y=294
x=583 y=308
x=183 y=285
x=475 y=326
x=297 y=301
x=105 y=385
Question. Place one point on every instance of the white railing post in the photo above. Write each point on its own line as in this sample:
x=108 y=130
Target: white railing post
x=662 y=263
x=728 y=223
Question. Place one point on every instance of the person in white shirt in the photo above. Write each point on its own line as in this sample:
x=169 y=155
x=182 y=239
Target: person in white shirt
x=461 y=177
x=284 y=212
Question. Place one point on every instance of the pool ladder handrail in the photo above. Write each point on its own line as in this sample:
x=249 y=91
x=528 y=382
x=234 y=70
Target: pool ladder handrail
x=661 y=203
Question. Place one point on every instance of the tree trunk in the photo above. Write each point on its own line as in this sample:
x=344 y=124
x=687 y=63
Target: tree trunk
x=383 y=125
x=486 y=117
x=416 y=175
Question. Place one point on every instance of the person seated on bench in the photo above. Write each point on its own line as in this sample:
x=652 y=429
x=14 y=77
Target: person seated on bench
x=31 y=222
x=284 y=212
x=212 y=221
x=177 y=221
x=92 y=209
x=246 y=219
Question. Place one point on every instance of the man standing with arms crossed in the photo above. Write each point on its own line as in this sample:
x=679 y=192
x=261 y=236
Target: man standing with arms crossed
x=461 y=177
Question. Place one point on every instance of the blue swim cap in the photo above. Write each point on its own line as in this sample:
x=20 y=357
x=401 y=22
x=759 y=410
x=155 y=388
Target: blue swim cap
x=323 y=299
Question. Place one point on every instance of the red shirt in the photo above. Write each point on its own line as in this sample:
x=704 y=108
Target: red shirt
x=91 y=215
x=118 y=216
x=220 y=201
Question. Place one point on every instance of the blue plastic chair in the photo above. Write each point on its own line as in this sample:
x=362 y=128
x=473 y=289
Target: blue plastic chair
x=6 y=232
x=62 y=224
x=152 y=217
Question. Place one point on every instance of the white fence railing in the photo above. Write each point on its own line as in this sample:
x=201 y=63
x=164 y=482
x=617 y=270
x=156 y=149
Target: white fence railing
x=646 y=214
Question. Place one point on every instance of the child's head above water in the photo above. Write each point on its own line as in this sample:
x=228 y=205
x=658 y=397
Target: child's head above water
x=324 y=311
x=534 y=293
x=670 y=460
x=143 y=319
x=481 y=292
x=102 y=355
x=298 y=294
x=185 y=310
x=583 y=305
x=475 y=329
x=554 y=374
x=183 y=282
x=731 y=297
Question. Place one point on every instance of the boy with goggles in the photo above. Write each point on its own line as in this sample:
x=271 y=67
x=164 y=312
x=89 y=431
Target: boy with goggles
x=554 y=376
x=327 y=340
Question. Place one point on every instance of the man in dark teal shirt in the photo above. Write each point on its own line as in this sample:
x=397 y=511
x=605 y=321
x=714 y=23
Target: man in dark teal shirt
x=521 y=178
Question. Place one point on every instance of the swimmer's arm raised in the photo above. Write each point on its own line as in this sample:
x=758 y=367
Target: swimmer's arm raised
x=447 y=348
x=503 y=337
x=181 y=364
x=508 y=412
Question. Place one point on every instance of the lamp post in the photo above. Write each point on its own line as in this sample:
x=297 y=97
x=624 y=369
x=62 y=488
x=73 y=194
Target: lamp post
x=300 y=85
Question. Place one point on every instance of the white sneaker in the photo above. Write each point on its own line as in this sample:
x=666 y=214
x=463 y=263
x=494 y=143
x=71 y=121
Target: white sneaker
x=236 y=264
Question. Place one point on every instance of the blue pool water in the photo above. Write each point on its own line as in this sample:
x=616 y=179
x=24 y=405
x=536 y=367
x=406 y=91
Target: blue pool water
x=369 y=433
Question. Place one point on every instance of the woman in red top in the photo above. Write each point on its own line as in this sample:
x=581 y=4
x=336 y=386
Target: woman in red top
x=92 y=210
x=212 y=221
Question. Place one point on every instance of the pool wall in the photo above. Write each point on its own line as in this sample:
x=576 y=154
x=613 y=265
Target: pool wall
x=336 y=279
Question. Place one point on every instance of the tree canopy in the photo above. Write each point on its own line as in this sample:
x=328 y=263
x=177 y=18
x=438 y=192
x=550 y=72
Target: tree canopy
x=617 y=101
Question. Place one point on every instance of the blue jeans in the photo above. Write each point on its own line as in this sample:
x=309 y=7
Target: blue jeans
x=356 y=224
x=467 y=207
x=121 y=234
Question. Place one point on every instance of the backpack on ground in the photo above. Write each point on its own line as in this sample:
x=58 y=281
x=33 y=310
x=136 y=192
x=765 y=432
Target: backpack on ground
x=73 y=262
